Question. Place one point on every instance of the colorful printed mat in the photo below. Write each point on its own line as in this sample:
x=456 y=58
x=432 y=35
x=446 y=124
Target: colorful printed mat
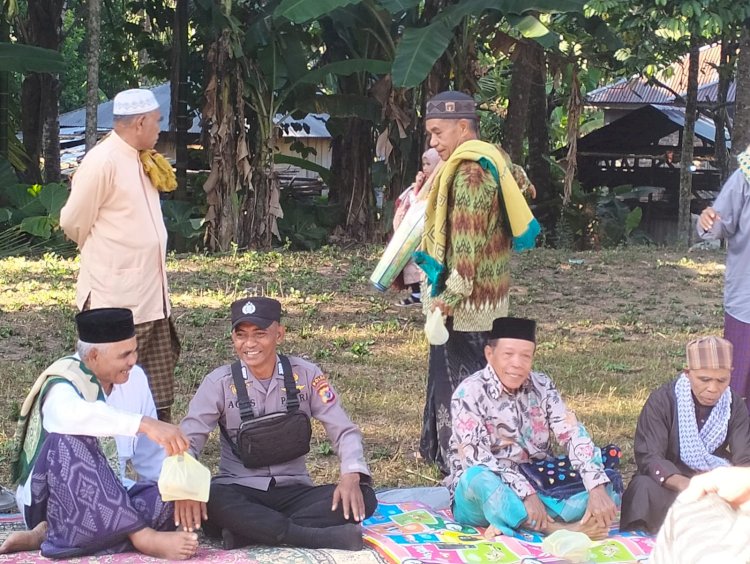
x=412 y=533
x=209 y=551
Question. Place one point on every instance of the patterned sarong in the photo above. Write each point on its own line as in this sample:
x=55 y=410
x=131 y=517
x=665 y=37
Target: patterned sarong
x=158 y=351
x=87 y=509
x=482 y=499
x=449 y=365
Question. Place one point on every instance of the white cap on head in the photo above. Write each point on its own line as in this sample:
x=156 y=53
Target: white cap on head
x=134 y=101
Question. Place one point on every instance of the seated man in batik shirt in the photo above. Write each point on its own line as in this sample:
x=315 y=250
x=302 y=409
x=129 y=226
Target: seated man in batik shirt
x=504 y=416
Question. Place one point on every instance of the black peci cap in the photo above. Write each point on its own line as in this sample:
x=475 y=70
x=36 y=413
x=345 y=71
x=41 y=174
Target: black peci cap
x=514 y=328
x=105 y=325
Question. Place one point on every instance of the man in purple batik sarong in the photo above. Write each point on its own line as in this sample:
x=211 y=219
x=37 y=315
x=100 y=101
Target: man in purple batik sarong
x=71 y=499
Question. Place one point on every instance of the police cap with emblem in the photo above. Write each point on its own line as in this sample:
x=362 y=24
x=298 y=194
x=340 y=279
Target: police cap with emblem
x=105 y=325
x=259 y=311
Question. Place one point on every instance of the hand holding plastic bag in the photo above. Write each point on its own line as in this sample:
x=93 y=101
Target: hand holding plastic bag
x=183 y=477
x=434 y=328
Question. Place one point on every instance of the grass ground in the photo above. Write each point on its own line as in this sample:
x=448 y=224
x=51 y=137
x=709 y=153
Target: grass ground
x=612 y=328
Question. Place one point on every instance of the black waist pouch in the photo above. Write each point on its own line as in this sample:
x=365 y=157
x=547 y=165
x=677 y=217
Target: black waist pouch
x=274 y=438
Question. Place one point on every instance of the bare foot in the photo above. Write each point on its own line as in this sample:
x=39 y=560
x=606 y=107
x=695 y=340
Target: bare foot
x=177 y=545
x=593 y=529
x=492 y=532
x=25 y=540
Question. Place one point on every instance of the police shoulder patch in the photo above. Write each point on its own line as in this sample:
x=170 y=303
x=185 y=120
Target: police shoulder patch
x=323 y=388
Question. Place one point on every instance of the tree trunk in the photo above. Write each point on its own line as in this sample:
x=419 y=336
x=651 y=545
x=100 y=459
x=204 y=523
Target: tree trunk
x=92 y=75
x=726 y=66
x=575 y=105
x=351 y=161
x=538 y=129
x=4 y=92
x=514 y=131
x=40 y=93
x=51 y=111
x=741 y=129
x=226 y=142
x=262 y=206
x=688 y=140
x=31 y=126
x=180 y=122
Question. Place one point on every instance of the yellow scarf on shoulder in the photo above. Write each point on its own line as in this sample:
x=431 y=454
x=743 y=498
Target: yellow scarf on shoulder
x=157 y=168
x=524 y=227
x=159 y=171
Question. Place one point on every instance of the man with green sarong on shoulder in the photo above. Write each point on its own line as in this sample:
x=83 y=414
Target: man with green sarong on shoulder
x=476 y=212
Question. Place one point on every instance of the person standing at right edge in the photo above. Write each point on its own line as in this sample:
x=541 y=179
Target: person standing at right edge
x=729 y=218
x=475 y=214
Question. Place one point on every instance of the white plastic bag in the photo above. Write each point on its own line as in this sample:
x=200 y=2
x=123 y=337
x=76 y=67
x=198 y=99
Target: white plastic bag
x=434 y=328
x=183 y=477
x=569 y=545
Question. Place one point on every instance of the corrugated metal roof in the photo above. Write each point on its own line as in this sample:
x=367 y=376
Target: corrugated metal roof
x=74 y=123
x=704 y=127
x=710 y=92
x=637 y=91
x=311 y=126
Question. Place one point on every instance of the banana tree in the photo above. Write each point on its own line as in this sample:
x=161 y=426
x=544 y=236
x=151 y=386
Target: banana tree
x=259 y=69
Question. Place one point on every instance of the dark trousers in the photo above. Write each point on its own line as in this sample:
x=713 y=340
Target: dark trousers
x=645 y=504
x=263 y=517
x=448 y=366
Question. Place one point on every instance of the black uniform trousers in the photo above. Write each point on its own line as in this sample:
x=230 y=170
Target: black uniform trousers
x=263 y=517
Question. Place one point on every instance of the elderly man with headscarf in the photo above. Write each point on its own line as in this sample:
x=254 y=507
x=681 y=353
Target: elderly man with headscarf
x=688 y=426
x=114 y=216
x=476 y=213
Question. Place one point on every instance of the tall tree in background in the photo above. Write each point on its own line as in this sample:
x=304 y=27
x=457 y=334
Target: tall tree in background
x=719 y=113
x=522 y=76
x=180 y=122
x=538 y=126
x=93 y=29
x=40 y=92
x=688 y=135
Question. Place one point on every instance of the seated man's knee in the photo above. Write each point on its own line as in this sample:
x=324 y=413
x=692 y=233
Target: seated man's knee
x=371 y=500
x=480 y=476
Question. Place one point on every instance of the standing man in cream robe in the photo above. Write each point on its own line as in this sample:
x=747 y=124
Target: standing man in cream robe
x=114 y=216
